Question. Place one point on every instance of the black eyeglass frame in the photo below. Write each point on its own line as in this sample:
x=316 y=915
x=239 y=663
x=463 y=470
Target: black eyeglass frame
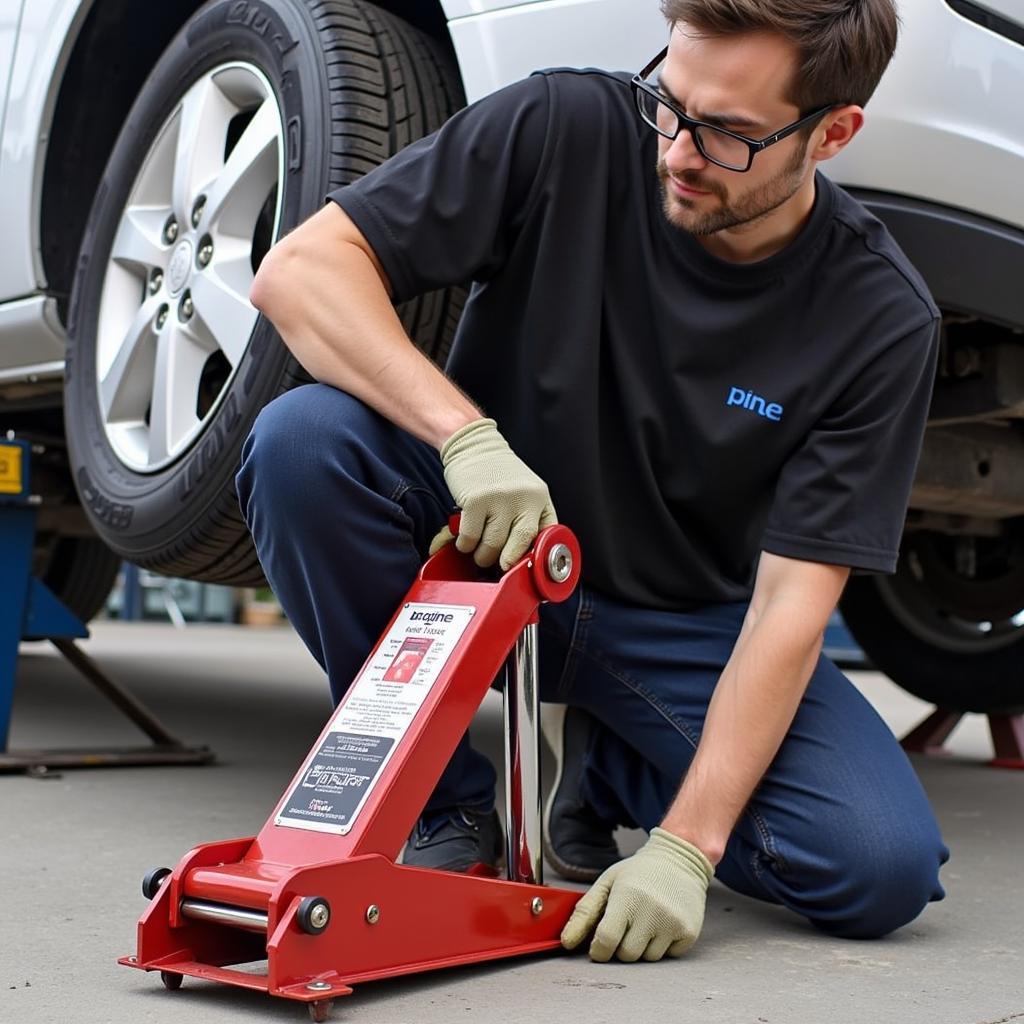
x=640 y=84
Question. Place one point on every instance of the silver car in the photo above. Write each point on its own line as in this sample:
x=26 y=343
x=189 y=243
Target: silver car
x=150 y=155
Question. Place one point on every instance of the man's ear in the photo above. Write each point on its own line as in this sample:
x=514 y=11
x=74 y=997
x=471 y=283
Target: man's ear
x=836 y=130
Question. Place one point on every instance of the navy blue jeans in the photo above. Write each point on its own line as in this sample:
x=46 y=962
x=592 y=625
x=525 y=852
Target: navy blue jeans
x=342 y=506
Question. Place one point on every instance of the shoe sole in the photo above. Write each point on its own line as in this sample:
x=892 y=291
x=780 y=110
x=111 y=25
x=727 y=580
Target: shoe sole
x=552 y=724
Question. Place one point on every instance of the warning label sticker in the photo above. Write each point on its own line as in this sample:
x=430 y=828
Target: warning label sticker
x=10 y=469
x=341 y=772
x=378 y=710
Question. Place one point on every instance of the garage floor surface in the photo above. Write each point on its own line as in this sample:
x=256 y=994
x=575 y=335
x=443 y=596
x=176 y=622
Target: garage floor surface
x=73 y=849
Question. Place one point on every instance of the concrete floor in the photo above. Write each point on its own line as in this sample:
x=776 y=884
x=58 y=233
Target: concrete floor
x=73 y=849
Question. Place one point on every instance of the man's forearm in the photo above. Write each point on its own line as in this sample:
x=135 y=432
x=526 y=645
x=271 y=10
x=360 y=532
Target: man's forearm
x=325 y=295
x=751 y=711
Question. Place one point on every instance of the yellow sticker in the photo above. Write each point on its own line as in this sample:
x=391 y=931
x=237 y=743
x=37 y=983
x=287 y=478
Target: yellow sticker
x=10 y=469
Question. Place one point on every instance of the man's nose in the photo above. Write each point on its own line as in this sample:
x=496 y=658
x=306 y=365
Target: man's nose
x=683 y=155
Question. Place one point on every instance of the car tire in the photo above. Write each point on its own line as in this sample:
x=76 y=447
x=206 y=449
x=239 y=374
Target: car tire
x=81 y=571
x=952 y=638
x=167 y=362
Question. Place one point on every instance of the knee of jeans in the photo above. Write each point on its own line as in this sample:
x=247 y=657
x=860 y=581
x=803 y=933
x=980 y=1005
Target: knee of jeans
x=296 y=443
x=884 y=888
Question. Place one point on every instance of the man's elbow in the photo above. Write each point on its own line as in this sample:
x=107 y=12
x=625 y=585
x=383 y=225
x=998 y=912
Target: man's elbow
x=274 y=279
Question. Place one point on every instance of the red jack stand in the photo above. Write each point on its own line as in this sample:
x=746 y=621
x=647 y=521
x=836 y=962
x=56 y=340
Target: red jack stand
x=318 y=893
x=1007 y=736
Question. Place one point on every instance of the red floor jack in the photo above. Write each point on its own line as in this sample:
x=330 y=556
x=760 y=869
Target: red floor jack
x=317 y=894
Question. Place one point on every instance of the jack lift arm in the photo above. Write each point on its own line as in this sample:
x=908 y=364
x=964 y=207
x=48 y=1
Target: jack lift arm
x=318 y=893
x=30 y=611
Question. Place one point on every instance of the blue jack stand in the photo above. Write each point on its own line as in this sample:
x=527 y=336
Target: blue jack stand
x=30 y=611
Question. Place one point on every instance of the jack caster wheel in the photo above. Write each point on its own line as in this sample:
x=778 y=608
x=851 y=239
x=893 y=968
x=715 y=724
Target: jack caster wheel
x=153 y=880
x=171 y=981
x=314 y=914
x=320 y=1010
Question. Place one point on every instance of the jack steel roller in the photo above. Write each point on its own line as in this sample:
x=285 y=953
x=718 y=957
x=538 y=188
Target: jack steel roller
x=317 y=894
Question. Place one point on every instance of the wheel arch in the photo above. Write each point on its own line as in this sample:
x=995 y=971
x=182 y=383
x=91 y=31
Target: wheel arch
x=98 y=65
x=973 y=265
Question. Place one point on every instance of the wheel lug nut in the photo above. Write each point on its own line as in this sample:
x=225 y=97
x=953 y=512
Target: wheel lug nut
x=156 y=282
x=197 y=211
x=205 y=253
x=161 y=317
x=186 y=309
x=170 y=231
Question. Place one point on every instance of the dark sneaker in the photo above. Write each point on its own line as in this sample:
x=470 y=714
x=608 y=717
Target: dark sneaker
x=577 y=844
x=463 y=840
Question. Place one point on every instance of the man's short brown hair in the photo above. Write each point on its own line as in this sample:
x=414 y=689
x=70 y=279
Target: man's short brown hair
x=843 y=46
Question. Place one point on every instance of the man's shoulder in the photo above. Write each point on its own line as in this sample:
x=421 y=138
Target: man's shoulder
x=575 y=103
x=592 y=111
x=589 y=91
x=584 y=80
x=875 y=247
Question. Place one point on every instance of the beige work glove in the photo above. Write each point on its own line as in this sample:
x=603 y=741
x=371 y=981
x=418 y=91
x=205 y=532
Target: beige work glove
x=504 y=503
x=648 y=905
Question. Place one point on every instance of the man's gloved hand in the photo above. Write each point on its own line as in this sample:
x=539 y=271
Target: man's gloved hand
x=504 y=503
x=648 y=905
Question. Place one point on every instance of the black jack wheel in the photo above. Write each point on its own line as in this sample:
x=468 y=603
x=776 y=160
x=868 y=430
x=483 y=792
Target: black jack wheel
x=314 y=914
x=152 y=882
x=171 y=981
x=320 y=1010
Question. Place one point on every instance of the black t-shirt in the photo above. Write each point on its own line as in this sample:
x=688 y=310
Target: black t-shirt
x=686 y=412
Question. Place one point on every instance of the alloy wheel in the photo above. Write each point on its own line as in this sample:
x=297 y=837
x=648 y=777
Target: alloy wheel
x=175 y=317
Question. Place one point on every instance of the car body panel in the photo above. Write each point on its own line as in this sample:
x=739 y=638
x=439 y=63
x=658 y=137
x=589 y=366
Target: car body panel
x=949 y=101
x=500 y=47
x=465 y=8
x=10 y=17
x=32 y=338
x=945 y=127
x=946 y=124
x=47 y=30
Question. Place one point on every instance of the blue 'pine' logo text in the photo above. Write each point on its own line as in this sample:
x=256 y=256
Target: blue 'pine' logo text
x=755 y=403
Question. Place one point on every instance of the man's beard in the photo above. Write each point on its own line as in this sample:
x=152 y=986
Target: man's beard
x=748 y=207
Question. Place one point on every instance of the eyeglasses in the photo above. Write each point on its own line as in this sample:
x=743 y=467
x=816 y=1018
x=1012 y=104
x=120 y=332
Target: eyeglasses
x=719 y=146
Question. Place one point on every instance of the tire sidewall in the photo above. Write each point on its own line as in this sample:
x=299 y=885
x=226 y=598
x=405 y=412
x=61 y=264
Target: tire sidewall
x=988 y=682
x=276 y=36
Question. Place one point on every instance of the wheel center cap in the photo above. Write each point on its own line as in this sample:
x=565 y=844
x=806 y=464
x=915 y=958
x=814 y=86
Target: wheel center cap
x=180 y=268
